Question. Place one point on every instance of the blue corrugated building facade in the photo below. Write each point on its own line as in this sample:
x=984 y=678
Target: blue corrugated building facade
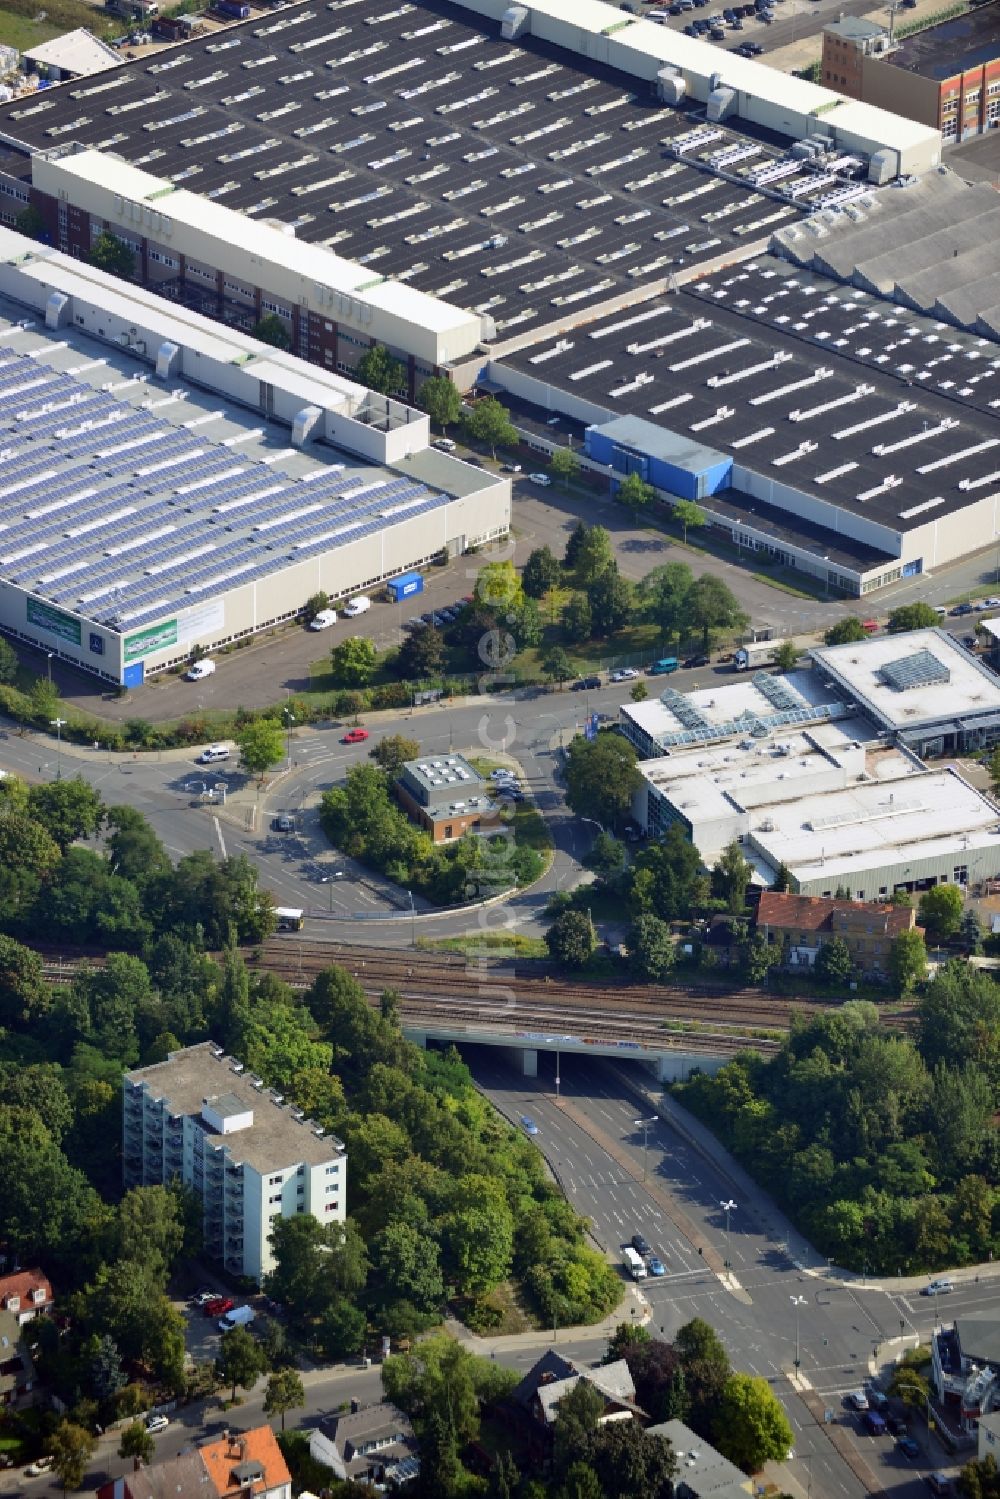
x=671 y=461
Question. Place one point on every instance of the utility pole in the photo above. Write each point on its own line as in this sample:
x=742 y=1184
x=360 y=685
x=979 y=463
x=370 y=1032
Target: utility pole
x=728 y=1207
x=797 y=1302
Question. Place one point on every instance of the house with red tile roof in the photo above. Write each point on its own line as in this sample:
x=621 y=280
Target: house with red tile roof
x=25 y=1294
x=803 y=923
x=241 y=1465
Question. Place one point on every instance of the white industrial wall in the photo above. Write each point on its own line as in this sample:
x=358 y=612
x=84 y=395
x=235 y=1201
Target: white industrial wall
x=858 y=527
x=260 y=258
x=536 y=389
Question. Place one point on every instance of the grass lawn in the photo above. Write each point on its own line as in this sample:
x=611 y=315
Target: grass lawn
x=23 y=32
x=500 y=944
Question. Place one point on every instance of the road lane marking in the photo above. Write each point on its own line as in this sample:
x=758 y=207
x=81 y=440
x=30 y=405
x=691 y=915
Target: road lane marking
x=218 y=834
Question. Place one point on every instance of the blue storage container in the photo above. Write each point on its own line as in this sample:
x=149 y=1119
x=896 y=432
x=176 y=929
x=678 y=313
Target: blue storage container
x=406 y=586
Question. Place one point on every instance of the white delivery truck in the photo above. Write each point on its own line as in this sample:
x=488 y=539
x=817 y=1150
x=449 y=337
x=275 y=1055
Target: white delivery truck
x=359 y=605
x=634 y=1263
x=240 y=1316
x=761 y=653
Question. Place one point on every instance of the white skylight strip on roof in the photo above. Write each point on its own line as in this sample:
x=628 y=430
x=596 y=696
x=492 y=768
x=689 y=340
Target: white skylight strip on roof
x=857 y=394
x=287 y=516
x=938 y=499
x=62 y=504
x=979 y=447
x=786 y=390
x=903 y=408
x=102 y=520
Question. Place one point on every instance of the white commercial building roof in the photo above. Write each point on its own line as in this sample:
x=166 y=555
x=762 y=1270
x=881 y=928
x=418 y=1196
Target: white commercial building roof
x=913 y=680
x=77 y=52
x=923 y=825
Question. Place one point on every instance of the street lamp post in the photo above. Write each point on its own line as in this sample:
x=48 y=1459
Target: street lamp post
x=797 y=1302
x=644 y=1124
x=50 y=654
x=728 y=1207
x=289 y=720
x=413 y=920
x=57 y=724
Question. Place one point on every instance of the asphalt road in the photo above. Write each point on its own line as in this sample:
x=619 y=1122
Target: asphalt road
x=838 y=1327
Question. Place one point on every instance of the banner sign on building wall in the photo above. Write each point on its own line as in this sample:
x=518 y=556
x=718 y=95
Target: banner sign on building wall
x=156 y=638
x=53 y=621
x=202 y=619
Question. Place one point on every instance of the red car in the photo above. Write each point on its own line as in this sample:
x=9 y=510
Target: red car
x=219 y=1307
x=355 y=736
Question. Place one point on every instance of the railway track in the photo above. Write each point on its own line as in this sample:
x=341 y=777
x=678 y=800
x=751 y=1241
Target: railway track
x=493 y=993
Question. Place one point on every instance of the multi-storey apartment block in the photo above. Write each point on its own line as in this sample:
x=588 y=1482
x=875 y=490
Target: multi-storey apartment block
x=251 y=1158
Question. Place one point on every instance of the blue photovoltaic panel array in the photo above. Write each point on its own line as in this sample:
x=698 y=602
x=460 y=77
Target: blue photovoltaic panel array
x=106 y=474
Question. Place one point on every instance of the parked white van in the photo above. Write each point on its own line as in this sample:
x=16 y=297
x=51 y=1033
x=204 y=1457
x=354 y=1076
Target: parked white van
x=199 y=670
x=359 y=605
x=323 y=620
x=212 y=753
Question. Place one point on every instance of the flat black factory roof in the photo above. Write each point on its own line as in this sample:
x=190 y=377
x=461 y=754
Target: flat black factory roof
x=949 y=49
x=805 y=399
x=409 y=137
x=792 y=530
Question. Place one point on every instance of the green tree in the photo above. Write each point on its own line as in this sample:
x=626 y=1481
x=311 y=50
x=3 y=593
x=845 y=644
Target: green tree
x=919 y=616
x=565 y=465
x=498 y=587
x=353 y=661
x=594 y=556
x=111 y=254
x=556 y=665
x=606 y=858
x=940 y=911
x=440 y=1377
x=601 y=777
x=271 y=329
x=907 y=961
x=846 y=631
x=994 y=770
x=392 y=753
x=712 y=607
x=67 y=809
x=971 y=931
x=706 y=1369
x=379 y=371
x=285 y=1391
x=8 y=662
x=581 y=1482
x=574 y=541
x=315 y=604
x=137 y=1441
x=30 y=223
x=24 y=994
x=489 y=423
x=314 y=1262
x=106 y=1375
x=71 y=1447
x=479 y=1236
x=241 y=1359
x=577 y=619
x=422 y=654
x=409 y=1266
x=834 y=964
x=575 y=1425
x=630 y=1463
x=540 y=573
x=635 y=493
x=752 y=1428
x=610 y=602
x=689 y=515
x=650 y=949
x=639 y=692
x=786 y=655
x=150 y=1229
x=666 y=875
x=731 y=878
x=665 y=593
x=439 y=397
x=135 y=853
x=261 y=744
x=570 y=939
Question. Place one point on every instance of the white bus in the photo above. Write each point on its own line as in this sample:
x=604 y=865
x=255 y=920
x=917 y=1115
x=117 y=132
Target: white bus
x=634 y=1263
x=289 y=919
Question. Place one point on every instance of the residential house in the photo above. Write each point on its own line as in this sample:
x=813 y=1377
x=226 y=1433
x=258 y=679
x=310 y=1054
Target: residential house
x=17 y=1371
x=240 y=1465
x=965 y=1368
x=369 y=1444
x=702 y=1473
x=803 y=923
x=26 y=1293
